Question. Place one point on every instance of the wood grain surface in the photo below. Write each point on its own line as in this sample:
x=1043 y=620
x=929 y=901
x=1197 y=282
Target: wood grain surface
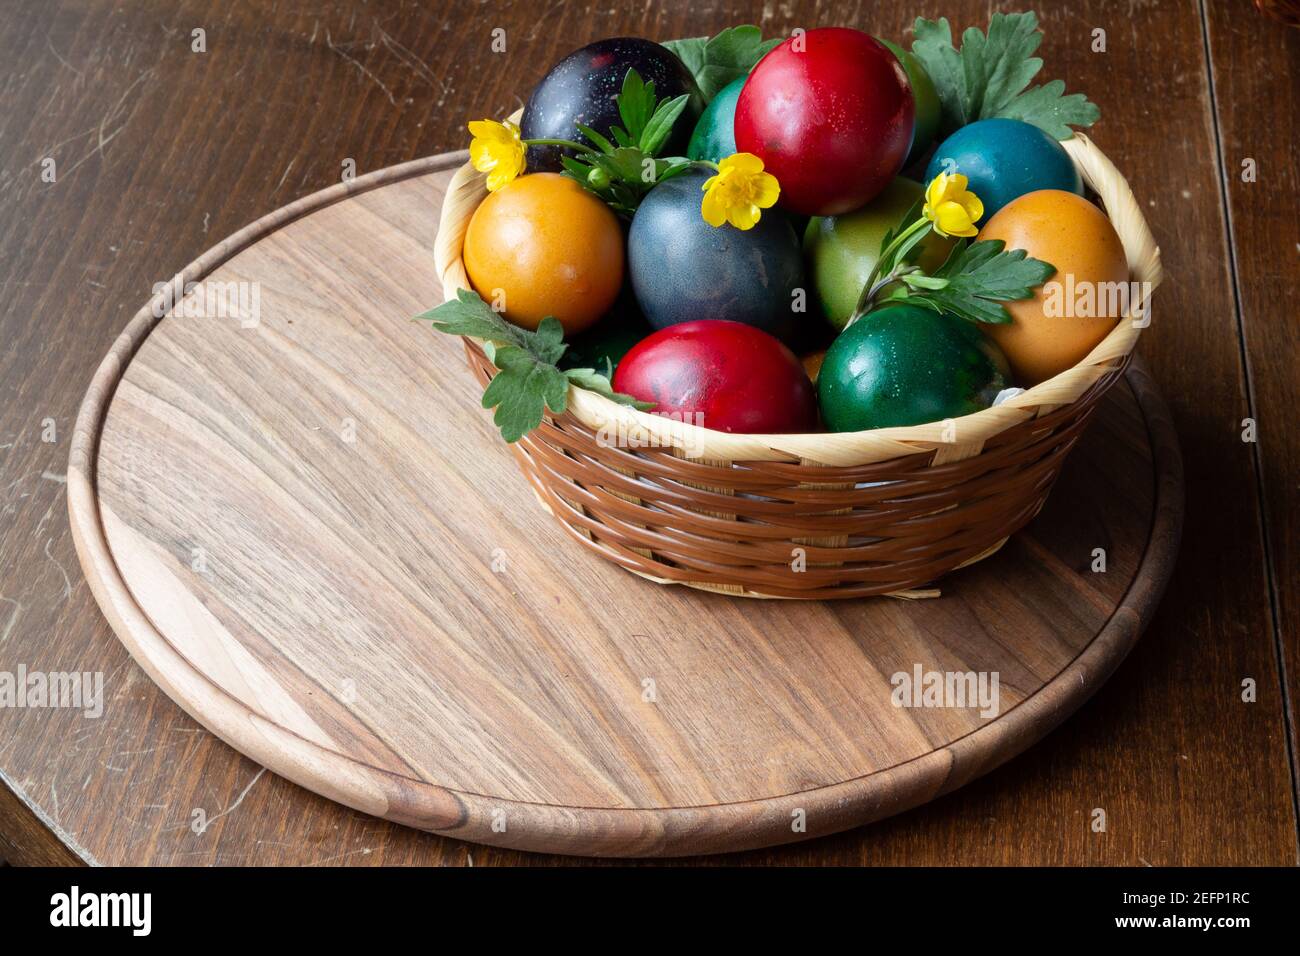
x=1186 y=770
x=306 y=529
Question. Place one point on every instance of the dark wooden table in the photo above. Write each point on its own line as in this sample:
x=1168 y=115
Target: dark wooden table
x=159 y=151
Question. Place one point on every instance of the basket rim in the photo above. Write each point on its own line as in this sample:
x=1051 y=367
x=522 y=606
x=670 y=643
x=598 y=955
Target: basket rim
x=468 y=188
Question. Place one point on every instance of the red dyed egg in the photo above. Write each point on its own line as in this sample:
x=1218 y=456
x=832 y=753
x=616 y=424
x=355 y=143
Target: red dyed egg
x=721 y=375
x=831 y=115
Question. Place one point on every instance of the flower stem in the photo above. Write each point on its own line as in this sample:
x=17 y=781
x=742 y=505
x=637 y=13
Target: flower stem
x=561 y=142
x=875 y=282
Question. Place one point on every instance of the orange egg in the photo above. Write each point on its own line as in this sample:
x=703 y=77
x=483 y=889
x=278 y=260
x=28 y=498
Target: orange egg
x=1076 y=308
x=542 y=245
x=812 y=364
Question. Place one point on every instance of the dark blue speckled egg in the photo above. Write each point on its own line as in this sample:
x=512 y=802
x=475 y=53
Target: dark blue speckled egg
x=682 y=269
x=581 y=89
x=1003 y=159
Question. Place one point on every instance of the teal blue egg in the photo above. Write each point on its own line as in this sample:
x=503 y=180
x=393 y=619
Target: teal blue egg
x=714 y=138
x=1003 y=159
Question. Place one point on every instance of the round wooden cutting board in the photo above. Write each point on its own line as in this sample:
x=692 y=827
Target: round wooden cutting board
x=304 y=527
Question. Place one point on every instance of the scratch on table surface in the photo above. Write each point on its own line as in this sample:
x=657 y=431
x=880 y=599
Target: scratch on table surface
x=124 y=677
x=412 y=60
x=58 y=56
x=45 y=518
x=67 y=582
x=48 y=150
x=329 y=42
x=238 y=800
x=52 y=476
x=544 y=18
x=114 y=112
x=16 y=482
x=284 y=176
x=13 y=617
x=330 y=859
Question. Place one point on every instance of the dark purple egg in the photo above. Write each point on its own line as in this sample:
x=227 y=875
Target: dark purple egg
x=581 y=89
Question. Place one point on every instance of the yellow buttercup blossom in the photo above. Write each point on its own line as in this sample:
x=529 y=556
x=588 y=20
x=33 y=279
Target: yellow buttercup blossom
x=952 y=207
x=739 y=193
x=497 y=150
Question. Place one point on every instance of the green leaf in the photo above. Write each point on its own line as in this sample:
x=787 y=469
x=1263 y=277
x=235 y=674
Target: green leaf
x=977 y=278
x=548 y=341
x=636 y=104
x=932 y=45
x=673 y=165
x=594 y=381
x=910 y=250
x=919 y=280
x=468 y=314
x=521 y=391
x=1049 y=109
x=998 y=66
x=716 y=61
x=527 y=381
x=629 y=165
x=691 y=53
x=597 y=140
x=576 y=168
x=913 y=213
x=660 y=126
x=988 y=76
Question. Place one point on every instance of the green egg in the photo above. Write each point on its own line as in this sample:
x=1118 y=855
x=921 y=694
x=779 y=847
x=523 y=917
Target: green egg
x=908 y=365
x=925 y=98
x=841 y=251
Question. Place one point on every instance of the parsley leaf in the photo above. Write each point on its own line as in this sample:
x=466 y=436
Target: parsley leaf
x=468 y=314
x=975 y=280
x=527 y=382
x=520 y=391
x=988 y=76
x=594 y=381
x=716 y=61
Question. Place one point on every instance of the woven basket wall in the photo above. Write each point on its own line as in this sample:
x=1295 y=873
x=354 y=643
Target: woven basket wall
x=812 y=516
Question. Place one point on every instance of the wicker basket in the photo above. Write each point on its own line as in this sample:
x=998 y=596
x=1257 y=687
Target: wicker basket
x=812 y=516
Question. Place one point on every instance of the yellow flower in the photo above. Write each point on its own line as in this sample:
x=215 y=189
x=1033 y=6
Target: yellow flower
x=497 y=150
x=739 y=193
x=952 y=208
